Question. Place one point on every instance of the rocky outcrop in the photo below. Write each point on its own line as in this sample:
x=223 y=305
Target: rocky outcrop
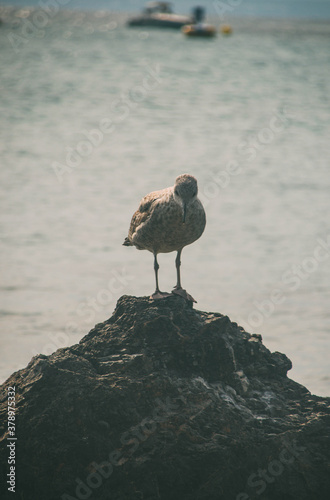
x=162 y=401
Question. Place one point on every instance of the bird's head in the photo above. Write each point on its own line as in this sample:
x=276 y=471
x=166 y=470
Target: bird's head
x=185 y=192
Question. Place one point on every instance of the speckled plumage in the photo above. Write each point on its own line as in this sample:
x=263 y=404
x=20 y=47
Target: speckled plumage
x=168 y=220
x=157 y=224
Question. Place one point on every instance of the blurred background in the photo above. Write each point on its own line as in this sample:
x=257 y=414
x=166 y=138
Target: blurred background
x=95 y=114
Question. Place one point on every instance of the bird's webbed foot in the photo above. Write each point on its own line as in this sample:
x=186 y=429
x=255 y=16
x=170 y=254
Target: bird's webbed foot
x=159 y=295
x=183 y=293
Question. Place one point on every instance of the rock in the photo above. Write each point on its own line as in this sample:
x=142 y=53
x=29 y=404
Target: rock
x=162 y=401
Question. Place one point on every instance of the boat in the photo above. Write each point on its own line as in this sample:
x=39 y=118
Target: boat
x=159 y=15
x=199 y=28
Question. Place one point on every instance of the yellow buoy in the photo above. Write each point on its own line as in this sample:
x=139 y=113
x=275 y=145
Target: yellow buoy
x=226 y=29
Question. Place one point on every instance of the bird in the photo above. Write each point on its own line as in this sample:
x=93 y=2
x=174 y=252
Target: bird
x=166 y=221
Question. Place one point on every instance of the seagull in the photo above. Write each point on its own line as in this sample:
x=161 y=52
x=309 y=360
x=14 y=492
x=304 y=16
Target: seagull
x=167 y=221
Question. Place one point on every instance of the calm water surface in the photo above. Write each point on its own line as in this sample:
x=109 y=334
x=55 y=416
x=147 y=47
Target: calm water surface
x=94 y=116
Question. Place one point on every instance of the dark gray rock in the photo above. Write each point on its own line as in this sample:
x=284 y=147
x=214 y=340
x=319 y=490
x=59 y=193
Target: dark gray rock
x=165 y=402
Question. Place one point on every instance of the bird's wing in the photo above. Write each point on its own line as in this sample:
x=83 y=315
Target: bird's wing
x=149 y=199
x=144 y=210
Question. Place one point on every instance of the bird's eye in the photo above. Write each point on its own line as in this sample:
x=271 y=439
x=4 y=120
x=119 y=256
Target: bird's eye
x=176 y=192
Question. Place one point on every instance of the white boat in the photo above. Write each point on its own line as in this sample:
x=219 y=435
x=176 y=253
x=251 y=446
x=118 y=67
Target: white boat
x=160 y=15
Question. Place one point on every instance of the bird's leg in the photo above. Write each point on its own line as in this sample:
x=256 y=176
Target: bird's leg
x=158 y=294
x=177 y=265
x=178 y=288
x=156 y=267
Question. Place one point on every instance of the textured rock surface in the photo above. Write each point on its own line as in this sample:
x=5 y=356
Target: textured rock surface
x=165 y=402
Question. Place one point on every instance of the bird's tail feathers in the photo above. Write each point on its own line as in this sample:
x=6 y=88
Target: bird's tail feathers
x=127 y=242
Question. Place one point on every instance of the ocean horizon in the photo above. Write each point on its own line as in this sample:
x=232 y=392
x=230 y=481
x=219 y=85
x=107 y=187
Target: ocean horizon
x=281 y=9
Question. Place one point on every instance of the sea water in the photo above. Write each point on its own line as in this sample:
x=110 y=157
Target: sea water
x=95 y=115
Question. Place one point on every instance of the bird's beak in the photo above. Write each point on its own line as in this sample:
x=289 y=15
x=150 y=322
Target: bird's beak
x=184 y=213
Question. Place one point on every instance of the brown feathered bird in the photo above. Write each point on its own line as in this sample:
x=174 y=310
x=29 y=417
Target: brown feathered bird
x=166 y=221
